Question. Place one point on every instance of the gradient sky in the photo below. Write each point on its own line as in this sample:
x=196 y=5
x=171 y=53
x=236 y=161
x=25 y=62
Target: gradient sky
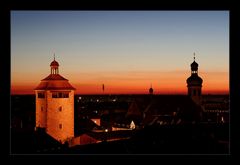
x=125 y=50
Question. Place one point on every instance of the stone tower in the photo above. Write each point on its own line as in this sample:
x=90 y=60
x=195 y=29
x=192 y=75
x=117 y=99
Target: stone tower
x=55 y=105
x=194 y=83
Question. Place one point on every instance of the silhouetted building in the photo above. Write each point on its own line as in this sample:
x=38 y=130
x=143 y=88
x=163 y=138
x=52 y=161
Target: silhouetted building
x=215 y=108
x=55 y=105
x=194 y=83
x=164 y=110
x=151 y=90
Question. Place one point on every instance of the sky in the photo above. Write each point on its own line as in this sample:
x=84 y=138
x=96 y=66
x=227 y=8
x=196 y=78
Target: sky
x=127 y=51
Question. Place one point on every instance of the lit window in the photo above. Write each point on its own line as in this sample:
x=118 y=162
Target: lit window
x=60 y=126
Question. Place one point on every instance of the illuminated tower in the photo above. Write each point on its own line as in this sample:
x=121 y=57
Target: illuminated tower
x=194 y=83
x=55 y=105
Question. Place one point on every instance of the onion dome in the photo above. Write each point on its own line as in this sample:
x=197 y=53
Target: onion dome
x=194 y=66
x=194 y=79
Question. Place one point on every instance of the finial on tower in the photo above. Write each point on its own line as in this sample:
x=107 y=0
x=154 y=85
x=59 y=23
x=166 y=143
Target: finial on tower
x=54 y=56
x=194 y=56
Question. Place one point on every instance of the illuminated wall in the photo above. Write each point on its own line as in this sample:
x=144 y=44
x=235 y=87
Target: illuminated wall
x=60 y=117
x=41 y=116
x=56 y=114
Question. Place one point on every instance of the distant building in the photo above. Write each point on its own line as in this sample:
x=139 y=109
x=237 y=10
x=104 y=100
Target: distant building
x=194 y=83
x=151 y=90
x=164 y=110
x=55 y=105
x=215 y=108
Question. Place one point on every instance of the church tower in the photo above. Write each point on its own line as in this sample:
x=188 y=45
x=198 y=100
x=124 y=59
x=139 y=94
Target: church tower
x=194 y=83
x=55 y=105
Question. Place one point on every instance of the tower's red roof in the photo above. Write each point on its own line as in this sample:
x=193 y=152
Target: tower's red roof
x=54 y=77
x=54 y=82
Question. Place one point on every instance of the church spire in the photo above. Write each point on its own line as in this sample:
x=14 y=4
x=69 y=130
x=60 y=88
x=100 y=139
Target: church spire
x=54 y=57
x=194 y=83
x=194 y=66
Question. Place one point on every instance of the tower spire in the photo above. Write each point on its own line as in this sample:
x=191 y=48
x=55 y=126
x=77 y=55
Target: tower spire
x=193 y=56
x=54 y=66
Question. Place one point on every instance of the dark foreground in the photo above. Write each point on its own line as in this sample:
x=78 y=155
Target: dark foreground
x=182 y=139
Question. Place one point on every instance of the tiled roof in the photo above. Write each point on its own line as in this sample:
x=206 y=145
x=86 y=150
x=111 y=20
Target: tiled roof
x=54 y=77
x=54 y=82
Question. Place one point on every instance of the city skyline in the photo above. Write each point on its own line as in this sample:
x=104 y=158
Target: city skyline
x=127 y=51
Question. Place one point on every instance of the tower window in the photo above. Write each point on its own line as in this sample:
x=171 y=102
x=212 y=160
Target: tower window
x=60 y=95
x=54 y=95
x=41 y=95
x=60 y=109
x=60 y=126
x=65 y=95
x=41 y=108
